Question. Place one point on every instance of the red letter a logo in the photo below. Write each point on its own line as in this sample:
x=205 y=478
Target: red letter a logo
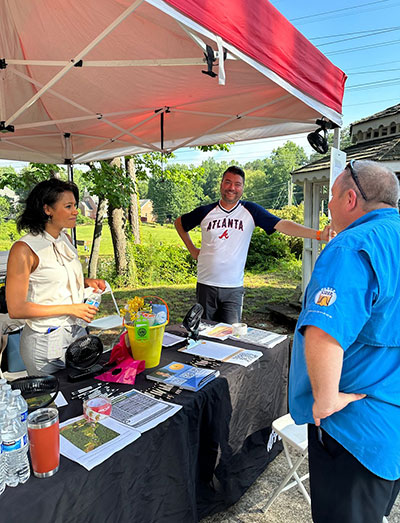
x=224 y=235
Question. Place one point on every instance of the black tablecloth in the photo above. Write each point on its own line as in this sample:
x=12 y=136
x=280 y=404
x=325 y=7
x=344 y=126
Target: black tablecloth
x=198 y=462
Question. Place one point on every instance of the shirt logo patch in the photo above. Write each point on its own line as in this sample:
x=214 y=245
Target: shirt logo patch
x=325 y=297
x=224 y=235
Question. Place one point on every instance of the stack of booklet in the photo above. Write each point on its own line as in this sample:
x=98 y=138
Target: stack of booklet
x=254 y=336
x=184 y=376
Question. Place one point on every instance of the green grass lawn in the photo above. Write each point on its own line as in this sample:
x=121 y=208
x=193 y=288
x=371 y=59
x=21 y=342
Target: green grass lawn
x=277 y=285
x=150 y=233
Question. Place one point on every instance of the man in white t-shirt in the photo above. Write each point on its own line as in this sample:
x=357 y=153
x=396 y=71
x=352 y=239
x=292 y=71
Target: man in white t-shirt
x=226 y=230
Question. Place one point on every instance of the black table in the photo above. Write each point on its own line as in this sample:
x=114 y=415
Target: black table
x=198 y=462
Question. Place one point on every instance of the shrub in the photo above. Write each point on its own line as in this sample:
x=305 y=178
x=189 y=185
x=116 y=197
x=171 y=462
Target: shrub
x=151 y=264
x=84 y=220
x=265 y=250
x=163 y=264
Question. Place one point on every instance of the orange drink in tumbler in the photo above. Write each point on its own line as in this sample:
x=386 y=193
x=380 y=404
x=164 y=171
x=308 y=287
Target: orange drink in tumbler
x=44 y=439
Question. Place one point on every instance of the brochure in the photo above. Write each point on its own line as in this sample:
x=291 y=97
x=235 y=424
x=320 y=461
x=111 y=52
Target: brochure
x=169 y=340
x=220 y=331
x=89 y=444
x=222 y=352
x=140 y=411
x=184 y=376
x=260 y=337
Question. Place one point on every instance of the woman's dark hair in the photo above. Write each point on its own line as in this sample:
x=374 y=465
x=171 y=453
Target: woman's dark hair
x=48 y=192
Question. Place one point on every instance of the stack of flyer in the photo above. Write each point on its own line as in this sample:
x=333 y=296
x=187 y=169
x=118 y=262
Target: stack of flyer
x=184 y=376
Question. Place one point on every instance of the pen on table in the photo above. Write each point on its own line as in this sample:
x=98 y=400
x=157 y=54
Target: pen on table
x=76 y=392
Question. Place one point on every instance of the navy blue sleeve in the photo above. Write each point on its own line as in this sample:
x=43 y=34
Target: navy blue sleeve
x=262 y=218
x=191 y=219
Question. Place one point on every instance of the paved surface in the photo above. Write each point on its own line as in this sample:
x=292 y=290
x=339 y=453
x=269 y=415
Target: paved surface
x=289 y=507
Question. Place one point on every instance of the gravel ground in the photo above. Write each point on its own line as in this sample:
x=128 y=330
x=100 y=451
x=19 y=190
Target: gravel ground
x=289 y=507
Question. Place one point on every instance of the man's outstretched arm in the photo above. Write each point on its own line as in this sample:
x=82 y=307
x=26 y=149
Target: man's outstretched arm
x=187 y=240
x=301 y=231
x=324 y=357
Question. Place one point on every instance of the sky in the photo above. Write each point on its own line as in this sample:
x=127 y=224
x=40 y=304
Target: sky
x=360 y=37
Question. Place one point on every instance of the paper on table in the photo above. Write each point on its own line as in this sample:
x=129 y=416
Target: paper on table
x=140 y=411
x=221 y=331
x=260 y=337
x=226 y=353
x=89 y=444
x=60 y=400
x=171 y=339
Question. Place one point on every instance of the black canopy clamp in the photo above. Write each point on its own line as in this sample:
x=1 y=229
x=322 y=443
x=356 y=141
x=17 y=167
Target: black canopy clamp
x=3 y=63
x=79 y=63
x=6 y=128
x=210 y=59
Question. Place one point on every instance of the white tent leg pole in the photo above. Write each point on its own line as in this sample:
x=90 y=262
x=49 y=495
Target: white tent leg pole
x=76 y=59
x=336 y=137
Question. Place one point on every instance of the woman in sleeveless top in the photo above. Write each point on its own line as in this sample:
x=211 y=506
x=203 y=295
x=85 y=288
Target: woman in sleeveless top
x=45 y=284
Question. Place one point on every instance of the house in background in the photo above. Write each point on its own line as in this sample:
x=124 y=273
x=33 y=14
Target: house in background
x=88 y=206
x=376 y=137
x=146 y=211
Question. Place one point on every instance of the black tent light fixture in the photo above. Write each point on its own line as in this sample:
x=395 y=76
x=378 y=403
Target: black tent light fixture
x=318 y=142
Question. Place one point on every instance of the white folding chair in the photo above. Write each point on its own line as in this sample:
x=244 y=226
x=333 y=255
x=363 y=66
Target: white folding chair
x=292 y=436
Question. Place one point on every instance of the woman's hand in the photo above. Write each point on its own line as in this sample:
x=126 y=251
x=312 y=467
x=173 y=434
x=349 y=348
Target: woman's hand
x=96 y=284
x=83 y=311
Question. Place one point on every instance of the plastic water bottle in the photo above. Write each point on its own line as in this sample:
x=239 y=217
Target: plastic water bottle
x=5 y=394
x=18 y=403
x=93 y=299
x=2 y=471
x=15 y=449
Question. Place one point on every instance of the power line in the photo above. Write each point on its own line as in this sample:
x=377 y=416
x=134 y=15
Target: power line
x=368 y=31
x=371 y=33
x=362 y=47
x=375 y=65
x=371 y=102
x=381 y=83
x=373 y=72
x=317 y=15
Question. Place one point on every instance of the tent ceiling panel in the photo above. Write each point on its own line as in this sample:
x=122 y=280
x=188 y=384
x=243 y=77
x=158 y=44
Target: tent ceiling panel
x=152 y=60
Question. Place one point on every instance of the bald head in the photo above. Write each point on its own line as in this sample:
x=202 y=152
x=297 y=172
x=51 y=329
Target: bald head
x=378 y=184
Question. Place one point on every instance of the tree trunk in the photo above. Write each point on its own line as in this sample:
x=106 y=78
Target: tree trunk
x=116 y=221
x=134 y=209
x=98 y=227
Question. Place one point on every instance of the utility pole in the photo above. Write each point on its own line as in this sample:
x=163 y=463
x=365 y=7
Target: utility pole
x=290 y=192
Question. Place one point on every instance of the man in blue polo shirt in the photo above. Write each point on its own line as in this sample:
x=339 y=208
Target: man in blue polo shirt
x=226 y=230
x=345 y=370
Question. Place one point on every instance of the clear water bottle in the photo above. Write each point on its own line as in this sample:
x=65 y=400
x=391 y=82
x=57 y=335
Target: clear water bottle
x=93 y=299
x=18 y=403
x=5 y=394
x=15 y=448
x=2 y=472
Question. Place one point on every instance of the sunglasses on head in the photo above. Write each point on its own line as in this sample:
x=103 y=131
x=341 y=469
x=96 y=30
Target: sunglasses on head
x=350 y=167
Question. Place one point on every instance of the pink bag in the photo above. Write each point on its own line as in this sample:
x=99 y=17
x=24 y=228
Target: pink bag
x=126 y=367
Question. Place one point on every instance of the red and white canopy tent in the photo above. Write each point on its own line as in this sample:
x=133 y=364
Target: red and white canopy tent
x=82 y=81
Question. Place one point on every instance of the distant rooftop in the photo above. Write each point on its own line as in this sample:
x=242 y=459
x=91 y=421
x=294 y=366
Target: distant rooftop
x=381 y=149
x=395 y=109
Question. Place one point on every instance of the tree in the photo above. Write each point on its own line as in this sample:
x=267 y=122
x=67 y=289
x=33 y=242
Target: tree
x=110 y=182
x=175 y=191
x=211 y=180
x=5 y=208
x=134 y=210
x=282 y=162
